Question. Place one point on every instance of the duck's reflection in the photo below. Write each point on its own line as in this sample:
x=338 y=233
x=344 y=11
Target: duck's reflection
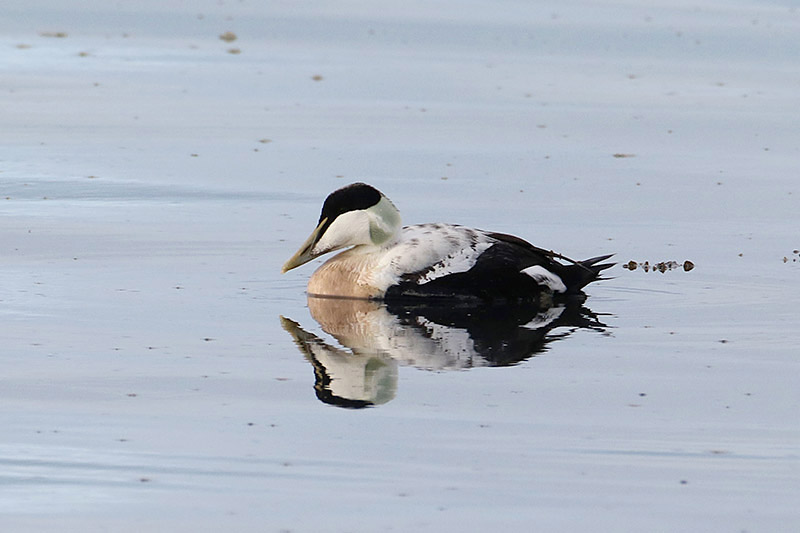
x=380 y=336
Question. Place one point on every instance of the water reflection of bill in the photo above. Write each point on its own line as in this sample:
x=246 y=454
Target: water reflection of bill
x=375 y=338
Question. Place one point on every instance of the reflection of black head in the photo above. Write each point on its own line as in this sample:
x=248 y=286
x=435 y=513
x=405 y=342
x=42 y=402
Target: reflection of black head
x=326 y=396
x=322 y=380
x=322 y=386
x=351 y=198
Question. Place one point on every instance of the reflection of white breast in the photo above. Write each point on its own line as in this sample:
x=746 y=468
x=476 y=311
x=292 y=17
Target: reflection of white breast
x=368 y=328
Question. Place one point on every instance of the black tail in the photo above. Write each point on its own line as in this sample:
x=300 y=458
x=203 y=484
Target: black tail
x=580 y=274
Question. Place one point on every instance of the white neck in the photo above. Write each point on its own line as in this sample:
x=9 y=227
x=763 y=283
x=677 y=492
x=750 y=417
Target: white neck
x=384 y=222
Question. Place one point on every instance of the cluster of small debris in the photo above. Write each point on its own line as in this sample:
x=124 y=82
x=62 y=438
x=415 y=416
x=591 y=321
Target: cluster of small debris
x=662 y=267
x=229 y=37
x=796 y=254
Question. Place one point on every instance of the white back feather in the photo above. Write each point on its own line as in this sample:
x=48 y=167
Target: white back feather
x=434 y=250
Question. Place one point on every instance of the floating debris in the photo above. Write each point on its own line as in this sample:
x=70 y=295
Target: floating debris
x=228 y=37
x=54 y=34
x=620 y=156
x=662 y=266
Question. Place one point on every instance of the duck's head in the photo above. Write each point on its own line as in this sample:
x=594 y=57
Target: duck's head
x=351 y=216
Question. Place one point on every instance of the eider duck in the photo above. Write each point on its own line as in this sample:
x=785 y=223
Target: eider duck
x=386 y=261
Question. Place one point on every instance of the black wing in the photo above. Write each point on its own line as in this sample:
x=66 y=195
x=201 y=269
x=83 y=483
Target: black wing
x=497 y=277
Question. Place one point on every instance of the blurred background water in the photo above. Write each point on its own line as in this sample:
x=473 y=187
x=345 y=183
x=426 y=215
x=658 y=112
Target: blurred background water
x=159 y=161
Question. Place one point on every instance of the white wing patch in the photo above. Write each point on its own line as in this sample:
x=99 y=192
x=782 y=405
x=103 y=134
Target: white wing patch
x=426 y=252
x=458 y=261
x=546 y=278
x=432 y=251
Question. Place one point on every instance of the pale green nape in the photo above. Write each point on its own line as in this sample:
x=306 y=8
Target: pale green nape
x=384 y=221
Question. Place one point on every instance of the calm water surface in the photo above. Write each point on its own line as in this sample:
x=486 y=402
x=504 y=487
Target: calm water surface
x=159 y=372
